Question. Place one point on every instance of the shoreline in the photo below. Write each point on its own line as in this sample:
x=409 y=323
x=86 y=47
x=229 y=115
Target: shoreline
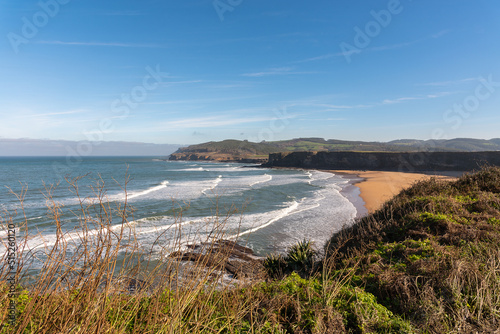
x=368 y=190
x=377 y=187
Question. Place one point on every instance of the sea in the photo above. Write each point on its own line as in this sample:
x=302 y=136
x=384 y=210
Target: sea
x=170 y=202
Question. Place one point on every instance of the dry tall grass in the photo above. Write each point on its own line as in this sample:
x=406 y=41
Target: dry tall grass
x=111 y=284
x=432 y=253
x=427 y=262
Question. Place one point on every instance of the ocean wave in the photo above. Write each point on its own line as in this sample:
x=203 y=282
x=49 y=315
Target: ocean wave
x=269 y=178
x=148 y=191
x=310 y=176
x=214 y=185
x=273 y=214
x=197 y=169
x=281 y=214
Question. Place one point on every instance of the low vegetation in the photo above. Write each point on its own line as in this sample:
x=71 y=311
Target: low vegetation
x=432 y=254
x=427 y=262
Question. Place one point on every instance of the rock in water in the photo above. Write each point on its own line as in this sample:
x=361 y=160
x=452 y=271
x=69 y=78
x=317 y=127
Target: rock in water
x=224 y=255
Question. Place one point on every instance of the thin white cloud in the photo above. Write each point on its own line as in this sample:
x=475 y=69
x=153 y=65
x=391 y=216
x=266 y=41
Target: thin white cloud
x=399 y=100
x=335 y=106
x=207 y=100
x=356 y=51
x=169 y=83
x=412 y=98
x=449 y=83
x=441 y=33
x=70 y=112
x=123 y=13
x=330 y=107
x=322 y=119
x=107 y=44
x=228 y=86
x=322 y=57
x=215 y=121
x=393 y=46
x=272 y=71
x=375 y=48
x=283 y=13
x=277 y=71
x=440 y=94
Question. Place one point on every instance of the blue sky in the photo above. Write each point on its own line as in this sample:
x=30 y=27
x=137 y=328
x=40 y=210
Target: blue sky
x=191 y=71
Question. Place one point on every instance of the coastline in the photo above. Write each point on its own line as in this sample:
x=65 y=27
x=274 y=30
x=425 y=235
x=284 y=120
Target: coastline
x=368 y=190
x=353 y=193
x=377 y=187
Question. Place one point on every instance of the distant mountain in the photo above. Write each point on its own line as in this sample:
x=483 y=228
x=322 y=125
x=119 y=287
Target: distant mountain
x=236 y=150
x=38 y=147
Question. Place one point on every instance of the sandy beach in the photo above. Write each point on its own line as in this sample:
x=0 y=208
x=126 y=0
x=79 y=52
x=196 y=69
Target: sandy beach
x=378 y=187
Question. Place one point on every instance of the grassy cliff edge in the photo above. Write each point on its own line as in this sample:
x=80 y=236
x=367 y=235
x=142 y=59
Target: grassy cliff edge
x=427 y=262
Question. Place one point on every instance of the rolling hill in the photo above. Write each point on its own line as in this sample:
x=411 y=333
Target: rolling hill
x=245 y=151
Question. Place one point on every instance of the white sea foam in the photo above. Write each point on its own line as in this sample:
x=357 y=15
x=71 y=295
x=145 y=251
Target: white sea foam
x=196 y=169
x=268 y=178
x=150 y=190
x=193 y=169
x=214 y=185
x=322 y=214
x=310 y=176
x=282 y=213
x=319 y=209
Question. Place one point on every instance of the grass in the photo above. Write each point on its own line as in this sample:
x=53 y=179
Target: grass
x=432 y=254
x=427 y=262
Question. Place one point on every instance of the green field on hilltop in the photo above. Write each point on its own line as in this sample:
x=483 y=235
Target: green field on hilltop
x=238 y=147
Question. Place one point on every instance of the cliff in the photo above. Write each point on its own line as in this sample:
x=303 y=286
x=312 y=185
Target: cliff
x=244 y=151
x=386 y=161
x=226 y=151
x=214 y=156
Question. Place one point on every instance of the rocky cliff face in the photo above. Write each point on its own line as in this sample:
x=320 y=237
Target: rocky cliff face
x=189 y=156
x=406 y=162
x=213 y=156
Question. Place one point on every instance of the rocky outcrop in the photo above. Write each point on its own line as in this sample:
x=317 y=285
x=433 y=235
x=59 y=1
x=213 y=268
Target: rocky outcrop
x=189 y=157
x=224 y=255
x=385 y=161
x=218 y=157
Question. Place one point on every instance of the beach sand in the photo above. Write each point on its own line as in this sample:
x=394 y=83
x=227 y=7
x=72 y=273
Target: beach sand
x=378 y=187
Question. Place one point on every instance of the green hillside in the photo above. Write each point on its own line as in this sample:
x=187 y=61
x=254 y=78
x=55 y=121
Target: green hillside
x=457 y=144
x=430 y=256
x=230 y=147
x=246 y=148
